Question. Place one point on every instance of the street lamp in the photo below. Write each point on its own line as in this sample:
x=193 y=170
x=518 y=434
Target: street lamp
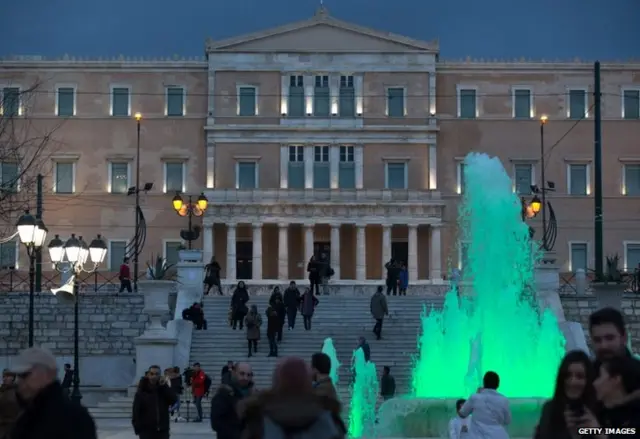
x=32 y=233
x=190 y=209
x=76 y=256
x=136 y=243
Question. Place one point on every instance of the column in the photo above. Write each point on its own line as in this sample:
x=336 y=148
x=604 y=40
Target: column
x=211 y=165
x=284 y=95
x=361 y=252
x=413 y=252
x=335 y=250
x=432 y=93
x=334 y=166
x=433 y=167
x=208 y=246
x=283 y=251
x=334 y=91
x=308 y=242
x=231 y=252
x=284 y=167
x=256 y=266
x=435 y=252
x=359 y=91
x=308 y=167
x=309 y=83
x=386 y=245
x=211 y=101
x=359 y=165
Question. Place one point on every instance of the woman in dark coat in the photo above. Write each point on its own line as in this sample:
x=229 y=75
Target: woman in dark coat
x=212 y=276
x=239 y=308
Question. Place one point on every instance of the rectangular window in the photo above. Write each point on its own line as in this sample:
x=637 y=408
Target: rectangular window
x=119 y=177
x=174 y=177
x=64 y=178
x=247 y=175
x=11 y=101
x=117 y=253
x=631 y=104
x=9 y=177
x=8 y=254
x=347 y=103
x=172 y=252
x=120 y=101
x=247 y=97
x=578 y=179
x=632 y=179
x=321 y=171
x=632 y=256
x=577 y=104
x=463 y=255
x=347 y=169
x=467 y=103
x=66 y=101
x=296 y=96
x=396 y=176
x=578 y=256
x=523 y=178
x=296 y=167
x=175 y=101
x=522 y=103
x=395 y=102
x=461 y=179
x=321 y=97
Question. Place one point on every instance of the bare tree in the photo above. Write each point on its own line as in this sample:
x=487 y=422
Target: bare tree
x=26 y=146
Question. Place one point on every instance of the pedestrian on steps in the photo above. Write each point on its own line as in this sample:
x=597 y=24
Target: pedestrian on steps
x=239 y=301
x=253 y=322
x=292 y=303
x=273 y=327
x=379 y=309
x=308 y=305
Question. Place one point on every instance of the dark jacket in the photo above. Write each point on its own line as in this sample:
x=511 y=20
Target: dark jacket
x=224 y=415
x=308 y=304
x=292 y=298
x=393 y=272
x=212 y=273
x=9 y=409
x=274 y=297
x=176 y=385
x=325 y=387
x=550 y=428
x=68 y=379
x=274 y=324
x=378 y=305
x=225 y=375
x=313 y=268
x=52 y=415
x=239 y=301
x=366 y=350
x=311 y=416
x=151 y=408
x=625 y=415
x=387 y=386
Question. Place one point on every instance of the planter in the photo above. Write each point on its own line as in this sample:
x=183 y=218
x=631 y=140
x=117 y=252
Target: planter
x=608 y=294
x=156 y=302
x=190 y=255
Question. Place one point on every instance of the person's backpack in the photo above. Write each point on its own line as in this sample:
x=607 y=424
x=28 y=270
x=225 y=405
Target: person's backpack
x=207 y=383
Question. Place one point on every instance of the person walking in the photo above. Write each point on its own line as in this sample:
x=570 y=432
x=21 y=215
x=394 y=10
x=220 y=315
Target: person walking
x=387 y=384
x=308 y=304
x=253 y=322
x=124 y=275
x=151 y=406
x=273 y=327
x=292 y=303
x=313 y=268
x=379 y=309
x=239 y=301
x=212 y=276
x=198 y=389
x=225 y=419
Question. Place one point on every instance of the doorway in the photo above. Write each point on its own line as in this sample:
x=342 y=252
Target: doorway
x=244 y=260
x=322 y=249
x=400 y=251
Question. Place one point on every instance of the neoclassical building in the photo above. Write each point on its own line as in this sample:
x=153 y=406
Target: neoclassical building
x=322 y=136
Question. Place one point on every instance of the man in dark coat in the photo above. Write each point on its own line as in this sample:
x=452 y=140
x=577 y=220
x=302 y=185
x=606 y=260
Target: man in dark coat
x=225 y=420
x=151 y=406
x=273 y=327
x=291 y=304
x=393 y=275
x=49 y=413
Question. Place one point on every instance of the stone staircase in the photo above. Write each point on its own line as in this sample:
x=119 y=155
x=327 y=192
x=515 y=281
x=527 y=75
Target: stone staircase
x=342 y=318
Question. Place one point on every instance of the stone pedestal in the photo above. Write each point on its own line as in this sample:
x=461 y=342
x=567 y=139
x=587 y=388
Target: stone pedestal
x=156 y=345
x=609 y=295
x=574 y=336
x=190 y=278
x=547 y=282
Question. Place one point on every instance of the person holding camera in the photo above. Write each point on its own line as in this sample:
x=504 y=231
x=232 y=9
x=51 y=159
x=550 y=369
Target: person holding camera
x=151 y=405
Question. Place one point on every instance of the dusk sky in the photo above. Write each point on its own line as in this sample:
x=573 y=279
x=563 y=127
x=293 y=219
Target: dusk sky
x=542 y=29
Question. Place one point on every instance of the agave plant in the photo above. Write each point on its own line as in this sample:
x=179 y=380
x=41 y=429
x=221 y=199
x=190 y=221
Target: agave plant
x=613 y=270
x=158 y=269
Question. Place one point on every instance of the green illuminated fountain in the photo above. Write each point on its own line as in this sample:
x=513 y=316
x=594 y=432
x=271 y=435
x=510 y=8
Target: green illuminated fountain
x=493 y=324
x=330 y=350
x=364 y=394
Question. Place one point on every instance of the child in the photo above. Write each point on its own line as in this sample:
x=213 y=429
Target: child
x=459 y=427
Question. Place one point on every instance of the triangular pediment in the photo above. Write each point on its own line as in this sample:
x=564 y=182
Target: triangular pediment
x=321 y=33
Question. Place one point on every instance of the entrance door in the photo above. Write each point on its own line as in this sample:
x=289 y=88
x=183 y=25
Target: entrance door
x=244 y=260
x=322 y=249
x=400 y=251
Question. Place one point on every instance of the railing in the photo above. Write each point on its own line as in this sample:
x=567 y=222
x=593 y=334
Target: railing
x=266 y=196
x=629 y=280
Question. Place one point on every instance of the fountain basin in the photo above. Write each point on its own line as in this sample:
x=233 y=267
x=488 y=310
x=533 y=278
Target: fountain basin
x=420 y=418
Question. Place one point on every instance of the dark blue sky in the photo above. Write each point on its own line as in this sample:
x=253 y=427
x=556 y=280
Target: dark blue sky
x=549 y=29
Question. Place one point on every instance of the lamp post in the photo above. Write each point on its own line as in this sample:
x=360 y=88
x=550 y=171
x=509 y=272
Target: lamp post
x=543 y=122
x=136 y=248
x=190 y=209
x=77 y=254
x=32 y=233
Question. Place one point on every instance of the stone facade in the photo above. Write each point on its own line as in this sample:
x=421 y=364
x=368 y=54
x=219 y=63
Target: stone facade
x=108 y=324
x=578 y=309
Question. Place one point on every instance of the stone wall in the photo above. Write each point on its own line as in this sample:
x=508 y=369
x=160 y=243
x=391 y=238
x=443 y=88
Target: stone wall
x=108 y=323
x=578 y=308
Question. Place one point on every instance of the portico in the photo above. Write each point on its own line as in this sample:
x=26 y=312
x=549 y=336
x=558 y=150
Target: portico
x=257 y=235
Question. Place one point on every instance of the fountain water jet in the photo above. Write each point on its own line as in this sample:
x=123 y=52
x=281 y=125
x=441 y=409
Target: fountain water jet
x=364 y=395
x=329 y=349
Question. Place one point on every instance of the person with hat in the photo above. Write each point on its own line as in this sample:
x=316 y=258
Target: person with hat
x=48 y=413
x=9 y=406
